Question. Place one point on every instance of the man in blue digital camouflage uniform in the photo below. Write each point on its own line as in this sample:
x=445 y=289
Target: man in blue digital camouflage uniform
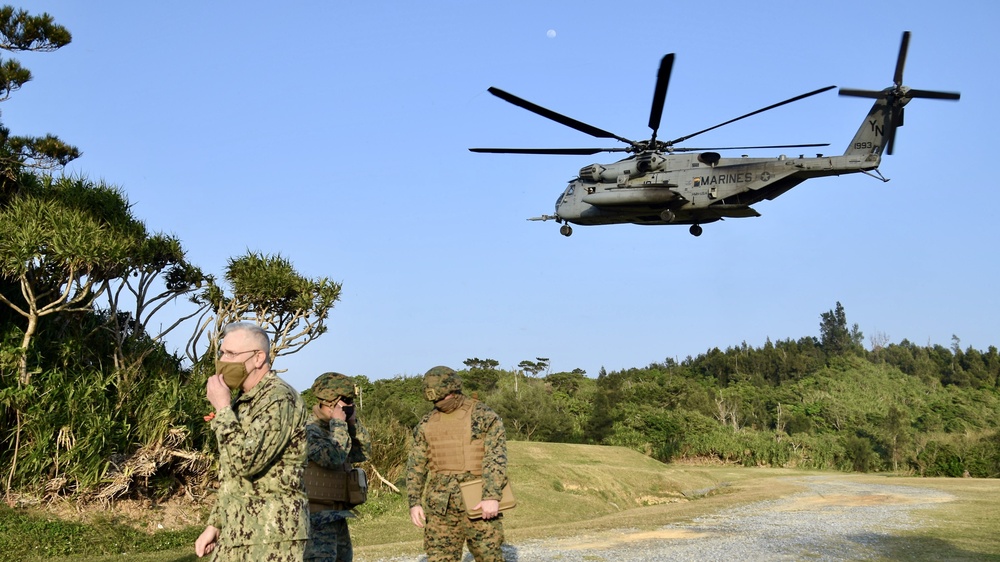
x=460 y=440
x=336 y=440
x=261 y=512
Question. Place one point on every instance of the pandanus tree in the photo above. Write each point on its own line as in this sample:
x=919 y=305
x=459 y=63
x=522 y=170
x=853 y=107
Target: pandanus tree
x=267 y=290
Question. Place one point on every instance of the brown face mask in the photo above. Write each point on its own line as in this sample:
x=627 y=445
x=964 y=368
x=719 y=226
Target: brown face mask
x=449 y=404
x=234 y=373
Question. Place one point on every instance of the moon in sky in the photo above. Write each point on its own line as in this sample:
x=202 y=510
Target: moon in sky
x=550 y=33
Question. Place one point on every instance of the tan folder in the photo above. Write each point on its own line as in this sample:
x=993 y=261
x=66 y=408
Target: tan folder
x=472 y=493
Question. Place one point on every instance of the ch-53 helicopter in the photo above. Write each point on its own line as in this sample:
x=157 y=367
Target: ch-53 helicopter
x=656 y=186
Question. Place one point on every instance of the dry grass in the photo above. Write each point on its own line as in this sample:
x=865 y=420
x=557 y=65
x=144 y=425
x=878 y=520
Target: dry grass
x=567 y=490
x=965 y=529
x=564 y=490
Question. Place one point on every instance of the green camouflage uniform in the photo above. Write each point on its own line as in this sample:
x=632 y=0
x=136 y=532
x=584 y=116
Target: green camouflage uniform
x=448 y=527
x=261 y=509
x=330 y=445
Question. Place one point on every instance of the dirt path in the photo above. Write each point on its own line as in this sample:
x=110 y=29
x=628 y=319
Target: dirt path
x=833 y=519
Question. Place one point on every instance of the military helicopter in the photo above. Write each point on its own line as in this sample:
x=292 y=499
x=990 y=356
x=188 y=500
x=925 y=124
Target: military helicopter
x=656 y=185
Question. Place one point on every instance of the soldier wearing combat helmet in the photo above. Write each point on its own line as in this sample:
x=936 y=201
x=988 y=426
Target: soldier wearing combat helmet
x=336 y=439
x=442 y=457
x=439 y=382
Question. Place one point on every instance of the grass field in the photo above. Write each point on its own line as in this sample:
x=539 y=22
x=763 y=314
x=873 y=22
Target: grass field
x=562 y=490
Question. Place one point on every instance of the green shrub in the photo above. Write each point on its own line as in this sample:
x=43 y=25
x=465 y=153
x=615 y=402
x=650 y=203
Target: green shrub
x=31 y=536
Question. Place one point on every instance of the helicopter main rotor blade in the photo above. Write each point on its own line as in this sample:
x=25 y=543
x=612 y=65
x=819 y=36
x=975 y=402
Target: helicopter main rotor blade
x=689 y=149
x=557 y=117
x=563 y=151
x=660 y=93
x=569 y=151
x=897 y=77
x=779 y=104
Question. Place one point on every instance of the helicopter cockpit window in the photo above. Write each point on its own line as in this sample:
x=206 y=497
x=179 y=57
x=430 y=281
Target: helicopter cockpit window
x=566 y=194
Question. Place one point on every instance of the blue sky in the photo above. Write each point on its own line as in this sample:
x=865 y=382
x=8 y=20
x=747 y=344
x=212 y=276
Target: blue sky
x=337 y=134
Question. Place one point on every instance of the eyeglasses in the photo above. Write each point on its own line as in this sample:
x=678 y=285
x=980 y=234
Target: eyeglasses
x=225 y=354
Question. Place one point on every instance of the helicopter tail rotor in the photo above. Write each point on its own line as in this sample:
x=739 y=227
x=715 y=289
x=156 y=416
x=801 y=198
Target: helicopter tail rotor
x=898 y=95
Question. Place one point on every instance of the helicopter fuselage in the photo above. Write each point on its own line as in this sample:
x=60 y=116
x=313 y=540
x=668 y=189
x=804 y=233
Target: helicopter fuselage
x=691 y=188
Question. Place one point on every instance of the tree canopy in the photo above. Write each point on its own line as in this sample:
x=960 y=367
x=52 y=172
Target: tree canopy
x=21 y=31
x=91 y=400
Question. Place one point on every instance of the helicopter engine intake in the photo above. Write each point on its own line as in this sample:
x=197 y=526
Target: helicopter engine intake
x=592 y=173
x=648 y=162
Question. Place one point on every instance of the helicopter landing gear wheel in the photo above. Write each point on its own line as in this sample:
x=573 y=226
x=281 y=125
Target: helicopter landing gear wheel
x=565 y=230
x=695 y=230
x=667 y=216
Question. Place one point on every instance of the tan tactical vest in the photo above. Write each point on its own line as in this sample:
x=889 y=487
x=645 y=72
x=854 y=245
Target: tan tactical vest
x=451 y=449
x=326 y=488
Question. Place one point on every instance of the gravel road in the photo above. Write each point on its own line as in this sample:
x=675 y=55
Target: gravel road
x=832 y=520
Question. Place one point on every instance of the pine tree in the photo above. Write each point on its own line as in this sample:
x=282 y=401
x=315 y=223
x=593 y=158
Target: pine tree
x=21 y=31
x=835 y=337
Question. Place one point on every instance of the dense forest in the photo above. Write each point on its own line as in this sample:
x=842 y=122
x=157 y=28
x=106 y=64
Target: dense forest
x=824 y=403
x=92 y=404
